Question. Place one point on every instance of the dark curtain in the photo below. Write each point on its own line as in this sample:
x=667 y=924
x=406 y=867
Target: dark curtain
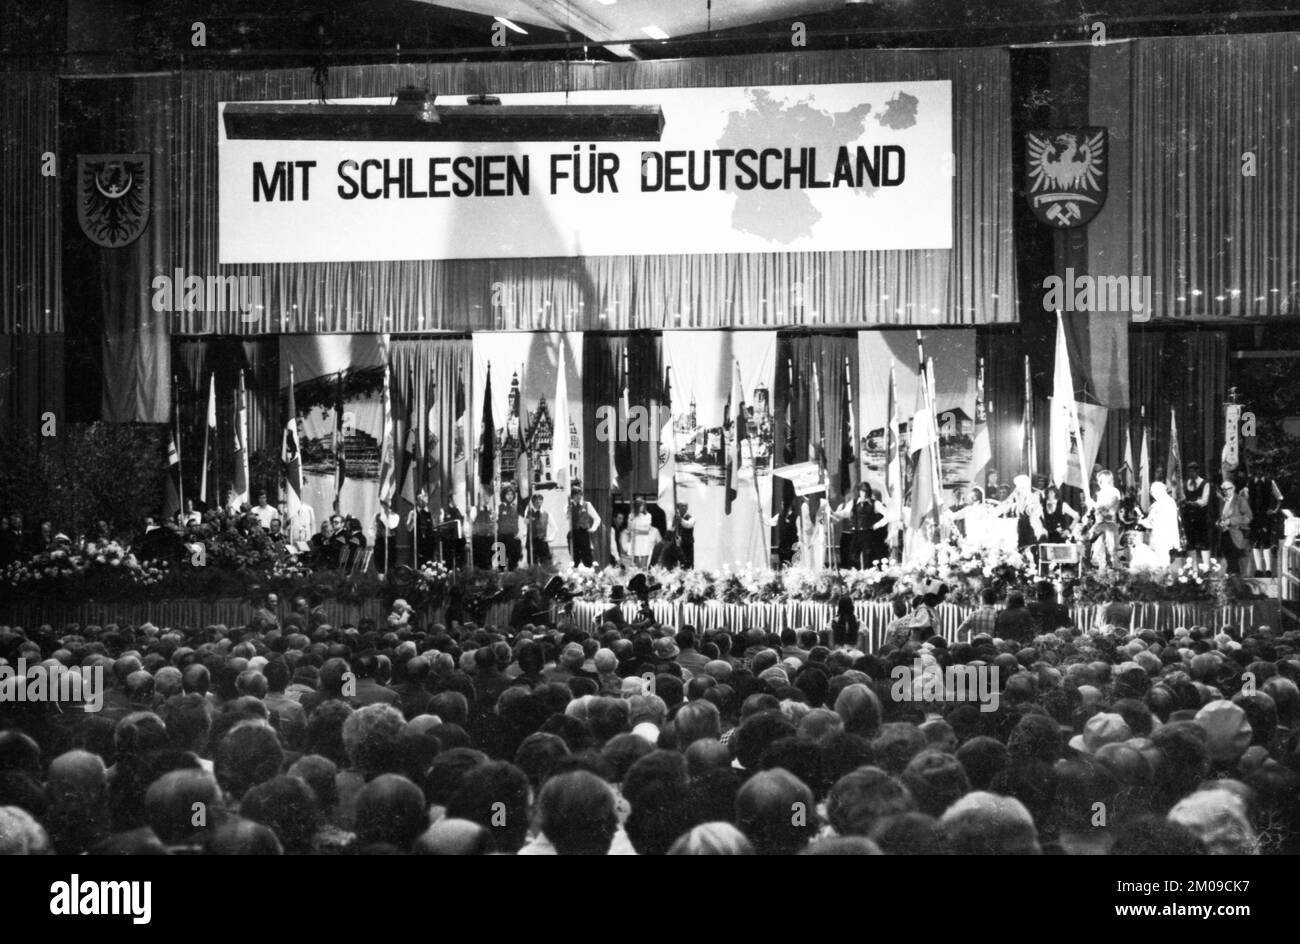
x=602 y=362
x=30 y=277
x=194 y=362
x=795 y=356
x=31 y=381
x=1185 y=370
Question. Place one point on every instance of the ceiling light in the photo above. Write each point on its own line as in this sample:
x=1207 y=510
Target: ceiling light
x=654 y=32
x=509 y=25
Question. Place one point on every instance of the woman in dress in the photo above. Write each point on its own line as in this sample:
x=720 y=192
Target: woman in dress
x=1162 y=523
x=811 y=554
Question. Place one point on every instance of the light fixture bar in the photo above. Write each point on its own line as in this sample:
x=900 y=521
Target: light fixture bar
x=273 y=121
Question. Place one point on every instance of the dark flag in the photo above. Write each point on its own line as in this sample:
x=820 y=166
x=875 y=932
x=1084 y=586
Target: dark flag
x=487 y=444
x=737 y=418
x=848 y=435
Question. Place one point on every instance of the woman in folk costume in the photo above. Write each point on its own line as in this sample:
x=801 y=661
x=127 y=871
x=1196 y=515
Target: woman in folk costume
x=1162 y=523
x=811 y=554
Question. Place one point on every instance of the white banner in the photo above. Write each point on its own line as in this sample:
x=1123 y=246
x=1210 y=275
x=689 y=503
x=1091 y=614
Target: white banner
x=853 y=166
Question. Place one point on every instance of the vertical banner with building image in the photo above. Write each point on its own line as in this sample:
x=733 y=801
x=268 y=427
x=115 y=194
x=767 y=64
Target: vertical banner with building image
x=338 y=394
x=703 y=365
x=953 y=353
x=525 y=381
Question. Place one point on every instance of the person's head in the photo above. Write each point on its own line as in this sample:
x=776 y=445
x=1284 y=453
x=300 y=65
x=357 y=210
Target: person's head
x=288 y=806
x=390 y=812
x=860 y=709
x=936 y=780
x=859 y=799
x=370 y=738
x=496 y=795
x=261 y=499
x=776 y=811
x=1219 y=819
x=576 y=813
x=249 y=754
x=983 y=823
x=718 y=838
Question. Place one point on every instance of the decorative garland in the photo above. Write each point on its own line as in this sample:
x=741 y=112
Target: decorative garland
x=108 y=571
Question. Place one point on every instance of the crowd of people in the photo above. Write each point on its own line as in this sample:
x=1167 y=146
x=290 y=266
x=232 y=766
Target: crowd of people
x=292 y=735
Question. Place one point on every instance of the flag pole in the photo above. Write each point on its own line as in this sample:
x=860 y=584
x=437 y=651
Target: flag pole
x=758 y=495
x=180 y=463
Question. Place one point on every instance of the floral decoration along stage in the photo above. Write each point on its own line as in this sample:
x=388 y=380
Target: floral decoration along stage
x=110 y=571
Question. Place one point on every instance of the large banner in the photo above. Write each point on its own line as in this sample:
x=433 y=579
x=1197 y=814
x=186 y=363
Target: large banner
x=953 y=353
x=852 y=166
x=524 y=368
x=338 y=393
x=703 y=365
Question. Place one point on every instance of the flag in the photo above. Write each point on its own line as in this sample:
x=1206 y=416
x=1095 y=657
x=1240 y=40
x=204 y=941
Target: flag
x=411 y=445
x=922 y=446
x=1064 y=428
x=560 y=437
x=667 y=447
x=291 y=461
x=849 y=473
x=487 y=440
x=817 y=422
x=209 y=437
x=432 y=472
x=239 y=494
x=981 y=456
x=387 y=458
x=1124 y=476
x=792 y=393
x=618 y=465
x=893 y=458
x=524 y=461
x=1174 y=461
x=172 y=495
x=1144 y=469
x=460 y=451
x=736 y=418
x=1029 y=449
x=340 y=463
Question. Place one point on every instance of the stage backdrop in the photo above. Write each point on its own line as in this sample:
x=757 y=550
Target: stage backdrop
x=525 y=411
x=852 y=166
x=339 y=384
x=702 y=364
x=953 y=353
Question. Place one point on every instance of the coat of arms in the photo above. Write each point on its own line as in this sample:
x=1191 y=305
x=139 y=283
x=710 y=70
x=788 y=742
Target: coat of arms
x=1065 y=175
x=113 y=197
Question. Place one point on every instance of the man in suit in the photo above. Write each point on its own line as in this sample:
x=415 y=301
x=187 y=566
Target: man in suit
x=1234 y=525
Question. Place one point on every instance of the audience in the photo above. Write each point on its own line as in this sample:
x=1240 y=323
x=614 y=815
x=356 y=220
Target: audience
x=1025 y=737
